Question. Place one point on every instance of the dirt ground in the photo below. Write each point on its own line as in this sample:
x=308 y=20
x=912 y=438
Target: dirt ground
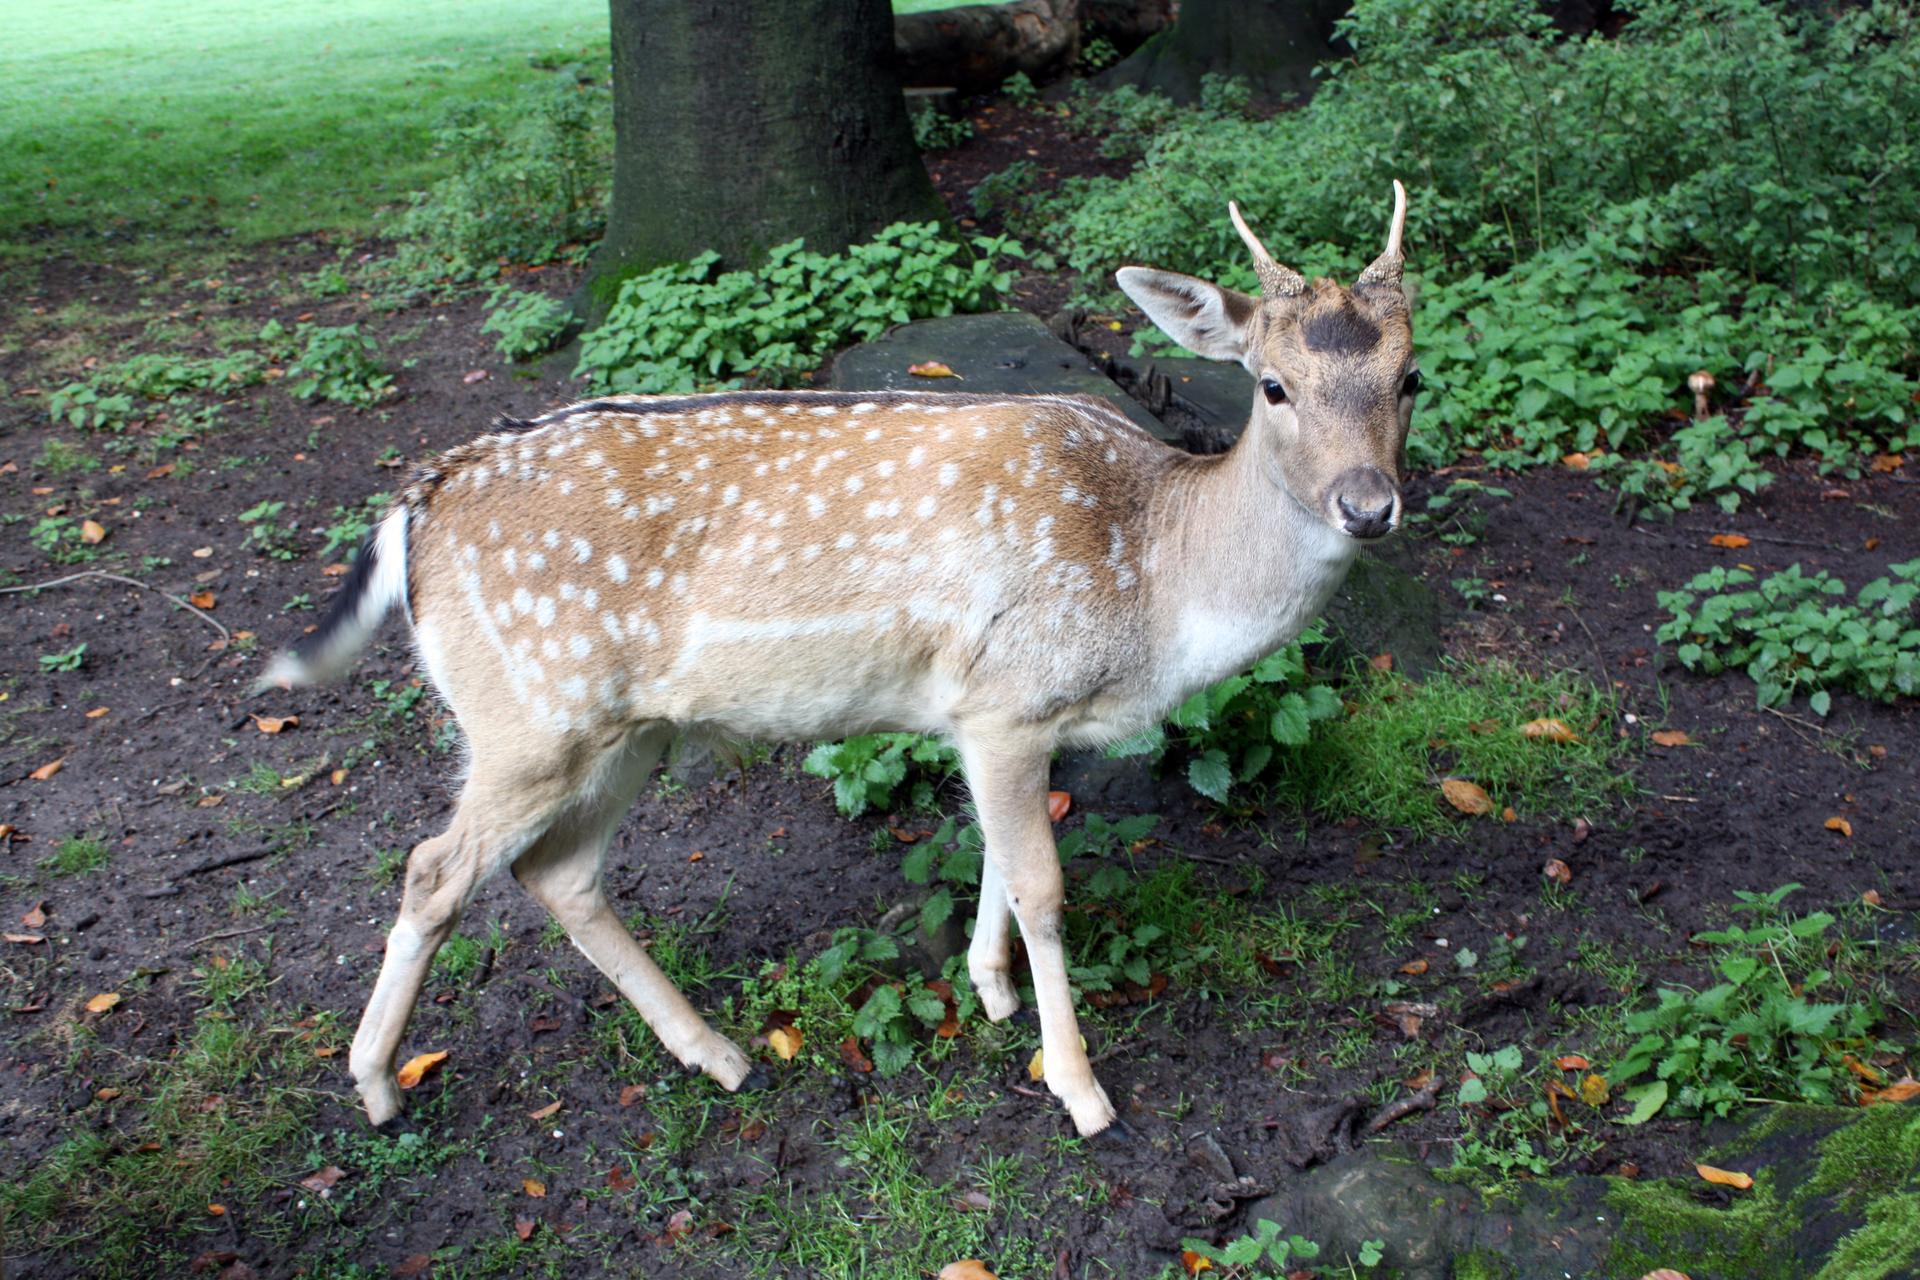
x=156 y=737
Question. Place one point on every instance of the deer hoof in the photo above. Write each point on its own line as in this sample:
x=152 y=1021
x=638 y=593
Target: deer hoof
x=997 y=999
x=726 y=1064
x=381 y=1097
x=1092 y=1113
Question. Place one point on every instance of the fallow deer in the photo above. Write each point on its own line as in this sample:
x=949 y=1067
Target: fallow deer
x=1016 y=573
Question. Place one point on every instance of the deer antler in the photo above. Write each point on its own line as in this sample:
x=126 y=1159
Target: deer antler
x=1385 y=269
x=1276 y=281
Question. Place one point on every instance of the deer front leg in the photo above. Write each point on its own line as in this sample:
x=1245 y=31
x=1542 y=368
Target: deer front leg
x=1008 y=776
x=990 y=955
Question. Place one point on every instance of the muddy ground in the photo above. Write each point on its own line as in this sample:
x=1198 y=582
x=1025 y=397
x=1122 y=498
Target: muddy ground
x=156 y=739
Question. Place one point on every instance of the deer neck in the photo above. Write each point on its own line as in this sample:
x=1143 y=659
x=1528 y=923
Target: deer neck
x=1244 y=566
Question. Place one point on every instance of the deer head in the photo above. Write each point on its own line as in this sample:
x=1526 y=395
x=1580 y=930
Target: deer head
x=1335 y=370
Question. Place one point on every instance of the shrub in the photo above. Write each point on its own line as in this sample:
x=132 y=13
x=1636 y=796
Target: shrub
x=528 y=323
x=868 y=769
x=1796 y=632
x=679 y=327
x=935 y=130
x=338 y=363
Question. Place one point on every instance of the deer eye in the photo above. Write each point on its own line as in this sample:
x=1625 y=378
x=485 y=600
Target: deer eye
x=1273 y=391
x=1410 y=387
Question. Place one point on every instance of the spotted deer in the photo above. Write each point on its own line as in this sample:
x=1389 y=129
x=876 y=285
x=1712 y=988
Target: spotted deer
x=1015 y=573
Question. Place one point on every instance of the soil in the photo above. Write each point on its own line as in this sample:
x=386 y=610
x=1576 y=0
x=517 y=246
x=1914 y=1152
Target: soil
x=156 y=729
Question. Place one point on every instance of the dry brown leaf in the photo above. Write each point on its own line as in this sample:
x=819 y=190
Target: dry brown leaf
x=1672 y=738
x=931 y=369
x=534 y=1187
x=618 y=1179
x=1725 y=1177
x=524 y=1228
x=103 y=1002
x=1557 y=871
x=321 y=1183
x=854 y=1056
x=36 y=915
x=1666 y=1273
x=1885 y=462
x=1549 y=730
x=47 y=770
x=217 y=1210
x=1571 y=1062
x=1414 y=968
x=1381 y=662
x=551 y=1109
x=1059 y=804
x=1194 y=1263
x=338 y=569
x=1509 y=814
x=24 y=939
x=92 y=532
x=966 y=1269
x=680 y=1225
x=275 y=724
x=1467 y=797
x=414 y=1264
x=1731 y=541
x=1901 y=1092
x=1037 y=1066
x=337 y=777
x=1841 y=825
x=1594 y=1090
x=1575 y=461
x=96 y=713
x=785 y=1041
x=201 y=599
x=472 y=376
x=107 y=1094
x=419 y=1067
x=1871 y=897
x=632 y=1093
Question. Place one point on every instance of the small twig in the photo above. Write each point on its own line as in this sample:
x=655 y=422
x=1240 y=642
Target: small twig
x=1682 y=799
x=231 y=860
x=228 y=933
x=1817 y=728
x=202 y=614
x=1025 y=1092
x=1789 y=542
x=1425 y=1100
x=1605 y=679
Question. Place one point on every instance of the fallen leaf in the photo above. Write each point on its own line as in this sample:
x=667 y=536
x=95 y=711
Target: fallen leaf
x=96 y=713
x=618 y=1179
x=1672 y=738
x=1666 y=1273
x=105 y=1095
x=1724 y=1177
x=24 y=939
x=1381 y=662
x=415 y=1264
x=201 y=599
x=322 y=1182
x=552 y=1108
x=1571 y=1062
x=1841 y=825
x=1509 y=814
x=1731 y=541
x=1862 y=1070
x=1884 y=462
x=785 y=1041
x=1059 y=803
x=275 y=724
x=1557 y=871
x=47 y=770
x=679 y=1226
x=217 y=1210
x=472 y=376
x=1575 y=461
x=632 y=1093
x=1037 y=1066
x=1548 y=731
x=92 y=532
x=1900 y=1092
x=418 y=1068
x=931 y=369
x=966 y=1269
x=1194 y=1263
x=1871 y=897
x=1414 y=968
x=853 y=1056
x=524 y=1228
x=1594 y=1091
x=1467 y=797
x=103 y=1002
x=335 y=570
x=534 y=1187
x=337 y=777
x=36 y=915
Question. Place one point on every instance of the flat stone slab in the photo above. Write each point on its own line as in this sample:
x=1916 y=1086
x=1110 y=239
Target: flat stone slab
x=1213 y=397
x=995 y=353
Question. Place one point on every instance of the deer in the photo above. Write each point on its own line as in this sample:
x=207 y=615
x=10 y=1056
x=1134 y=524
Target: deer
x=1014 y=573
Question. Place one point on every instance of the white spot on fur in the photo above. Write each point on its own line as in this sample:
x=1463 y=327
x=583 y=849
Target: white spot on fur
x=543 y=611
x=579 y=646
x=617 y=568
x=949 y=474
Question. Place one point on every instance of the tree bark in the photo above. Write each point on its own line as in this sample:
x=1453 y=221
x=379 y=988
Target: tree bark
x=976 y=47
x=1273 y=45
x=742 y=124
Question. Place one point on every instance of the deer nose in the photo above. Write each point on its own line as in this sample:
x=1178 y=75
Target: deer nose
x=1367 y=503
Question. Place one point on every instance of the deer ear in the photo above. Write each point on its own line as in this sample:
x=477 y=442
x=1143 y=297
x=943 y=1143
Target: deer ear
x=1204 y=318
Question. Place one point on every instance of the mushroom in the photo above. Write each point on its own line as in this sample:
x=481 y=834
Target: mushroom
x=1700 y=384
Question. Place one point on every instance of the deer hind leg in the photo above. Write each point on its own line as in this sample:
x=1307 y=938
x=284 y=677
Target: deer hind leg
x=492 y=824
x=562 y=872
x=1007 y=773
x=990 y=954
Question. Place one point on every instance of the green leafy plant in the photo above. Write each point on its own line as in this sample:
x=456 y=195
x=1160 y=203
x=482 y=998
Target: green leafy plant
x=528 y=323
x=351 y=524
x=265 y=534
x=935 y=130
x=337 y=363
x=1096 y=54
x=678 y=328
x=867 y=770
x=1231 y=729
x=65 y=660
x=1264 y=1254
x=1506 y=1123
x=1019 y=89
x=951 y=856
x=1796 y=632
x=889 y=1014
x=1761 y=1031
x=60 y=459
x=1004 y=192
x=85 y=405
x=61 y=540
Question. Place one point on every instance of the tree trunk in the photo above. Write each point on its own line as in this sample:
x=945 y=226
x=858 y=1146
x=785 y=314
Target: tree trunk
x=741 y=124
x=1273 y=45
x=976 y=47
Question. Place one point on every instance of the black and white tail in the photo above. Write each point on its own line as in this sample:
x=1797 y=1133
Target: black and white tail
x=377 y=582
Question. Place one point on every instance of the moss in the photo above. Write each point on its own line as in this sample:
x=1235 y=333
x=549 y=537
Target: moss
x=1482 y=1265
x=1887 y=1246
x=1662 y=1225
x=1871 y=1158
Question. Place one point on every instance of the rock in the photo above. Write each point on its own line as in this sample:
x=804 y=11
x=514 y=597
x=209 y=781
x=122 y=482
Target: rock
x=995 y=353
x=1204 y=1153
x=1368 y=1195
x=1383 y=608
x=976 y=47
x=1206 y=401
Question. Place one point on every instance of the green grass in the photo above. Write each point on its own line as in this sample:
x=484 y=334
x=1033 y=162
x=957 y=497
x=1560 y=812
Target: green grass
x=1385 y=759
x=77 y=855
x=262 y=120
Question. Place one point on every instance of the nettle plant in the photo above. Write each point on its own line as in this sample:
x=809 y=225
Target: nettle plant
x=683 y=327
x=1761 y=1031
x=869 y=769
x=1796 y=632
